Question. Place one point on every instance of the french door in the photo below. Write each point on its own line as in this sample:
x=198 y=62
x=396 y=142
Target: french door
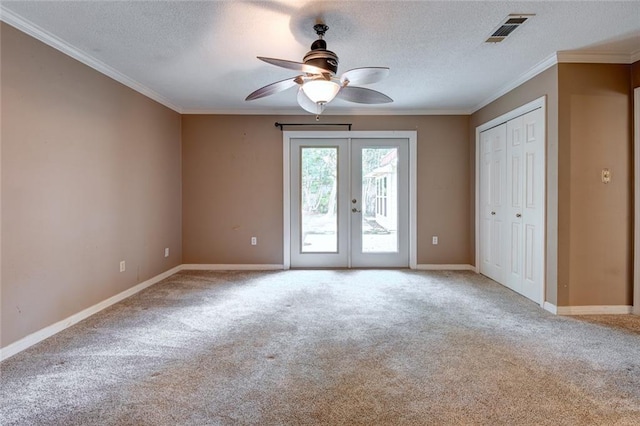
x=349 y=202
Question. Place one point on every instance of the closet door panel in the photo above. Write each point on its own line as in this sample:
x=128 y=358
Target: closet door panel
x=513 y=209
x=492 y=200
x=533 y=208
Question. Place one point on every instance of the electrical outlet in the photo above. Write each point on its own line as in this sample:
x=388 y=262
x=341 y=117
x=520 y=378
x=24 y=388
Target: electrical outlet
x=166 y=252
x=254 y=241
x=606 y=175
x=123 y=266
x=434 y=240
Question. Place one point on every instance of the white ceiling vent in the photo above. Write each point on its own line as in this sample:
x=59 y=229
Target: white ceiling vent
x=508 y=25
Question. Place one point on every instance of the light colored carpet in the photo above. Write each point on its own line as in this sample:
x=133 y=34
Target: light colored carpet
x=328 y=347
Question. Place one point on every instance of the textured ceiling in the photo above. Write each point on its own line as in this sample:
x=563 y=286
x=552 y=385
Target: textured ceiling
x=201 y=56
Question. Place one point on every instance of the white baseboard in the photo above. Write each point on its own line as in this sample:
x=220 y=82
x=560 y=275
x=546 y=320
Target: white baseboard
x=57 y=327
x=445 y=267
x=232 y=267
x=588 y=310
x=52 y=329
x=550 y=307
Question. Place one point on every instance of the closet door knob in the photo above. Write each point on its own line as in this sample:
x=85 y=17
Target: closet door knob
x=518 y=215
x=493 y=213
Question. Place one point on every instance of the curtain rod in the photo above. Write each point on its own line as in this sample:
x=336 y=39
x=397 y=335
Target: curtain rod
x=281 y=125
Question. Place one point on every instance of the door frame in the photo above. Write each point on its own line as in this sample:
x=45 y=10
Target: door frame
x=410 y=135
x=636 y=244
x=535 y=104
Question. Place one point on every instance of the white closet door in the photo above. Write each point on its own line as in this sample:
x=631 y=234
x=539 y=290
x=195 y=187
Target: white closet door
x=533 y=204
x=492 y=197
x=512 y=188
x=513 y=239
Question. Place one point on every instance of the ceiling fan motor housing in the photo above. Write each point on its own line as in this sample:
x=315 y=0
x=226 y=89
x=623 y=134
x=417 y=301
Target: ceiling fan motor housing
x=320 y=57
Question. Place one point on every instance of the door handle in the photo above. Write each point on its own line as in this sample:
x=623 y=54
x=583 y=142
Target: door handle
x=493 y=213
x=354 y=210
x=518 y=215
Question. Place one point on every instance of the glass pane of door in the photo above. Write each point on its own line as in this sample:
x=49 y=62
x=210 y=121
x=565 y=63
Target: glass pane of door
x=379 y=200
x=319 y=199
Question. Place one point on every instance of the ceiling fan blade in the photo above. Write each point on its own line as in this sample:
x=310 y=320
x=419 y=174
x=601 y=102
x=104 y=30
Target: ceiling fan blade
x=364 y=75
x=307 y=104
x=361 y=95
x=272 y=88
x=297 y=66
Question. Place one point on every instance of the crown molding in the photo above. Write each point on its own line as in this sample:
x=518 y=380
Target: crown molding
x=595 y=57
x=57 y=43
x=566 y=57
x=537 y=69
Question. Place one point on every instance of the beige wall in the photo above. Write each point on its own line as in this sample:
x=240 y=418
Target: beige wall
x=595 y=129
x=90 y=176
x=232 y=185
x=544 y=84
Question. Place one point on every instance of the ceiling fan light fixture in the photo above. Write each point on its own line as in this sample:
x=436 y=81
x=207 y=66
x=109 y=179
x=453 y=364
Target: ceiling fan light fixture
x=321 y=91
x=318 y=84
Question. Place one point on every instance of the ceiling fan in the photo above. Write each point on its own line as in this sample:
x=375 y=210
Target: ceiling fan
x=318 y=85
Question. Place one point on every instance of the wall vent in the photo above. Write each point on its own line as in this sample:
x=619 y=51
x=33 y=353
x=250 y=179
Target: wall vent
x=508 y=25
